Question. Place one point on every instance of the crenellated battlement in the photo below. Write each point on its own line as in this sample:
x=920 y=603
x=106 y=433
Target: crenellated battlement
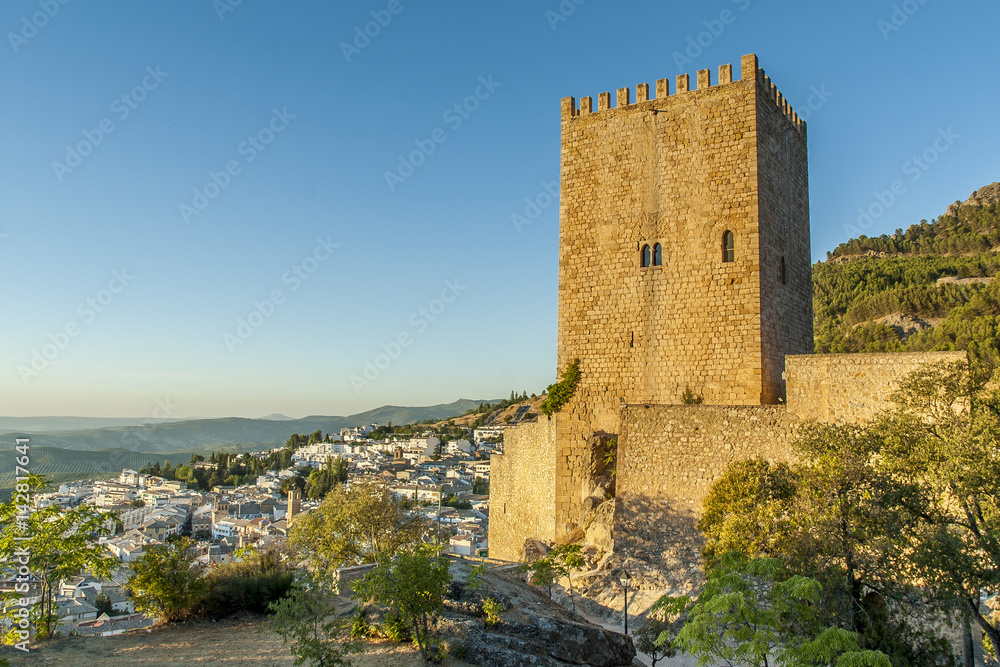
x=703 y=81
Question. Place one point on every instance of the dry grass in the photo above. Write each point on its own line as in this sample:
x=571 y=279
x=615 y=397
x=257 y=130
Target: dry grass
x=224 y=644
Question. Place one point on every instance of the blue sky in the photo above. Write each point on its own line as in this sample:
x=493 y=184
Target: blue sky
x=119 y=301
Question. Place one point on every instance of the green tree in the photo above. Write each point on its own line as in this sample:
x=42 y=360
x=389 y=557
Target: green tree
x=307 y=619
x=62 y=542
x=749 y=509
x=543 y=573
x=293 y=482
x=356 y=525
x=412 y=584
x=566 y=558
x=835 y=517
x=657 y=633
x=320 y=482
x=943 y=438
x=103 y=604
x=559 y=562
x=756 y=613
x=851 y=524
x=164 y=581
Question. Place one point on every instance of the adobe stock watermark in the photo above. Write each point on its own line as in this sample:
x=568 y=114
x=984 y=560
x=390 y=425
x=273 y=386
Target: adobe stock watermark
x=122 y=107
x=264 y=309
x=455 y=116
x=562 y=13
x=363 y=35
x=87 y=310
x=248 y=149
x=223 y=7
x=420 y=320
x=900 y=15
x=30 y=25
x=817 y=99
x=914 y=168
x=699 y=43
x=19 y=608
x=164 y=410
x=534 y=206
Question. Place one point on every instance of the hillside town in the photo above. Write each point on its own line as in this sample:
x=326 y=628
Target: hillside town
x=446 y=480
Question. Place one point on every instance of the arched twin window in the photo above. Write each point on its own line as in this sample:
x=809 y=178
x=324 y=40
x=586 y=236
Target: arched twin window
x=651 y=256
x=728 y=247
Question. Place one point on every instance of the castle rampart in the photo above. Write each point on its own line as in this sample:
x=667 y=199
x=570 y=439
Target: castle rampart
x=703 y=82
x=851 y=387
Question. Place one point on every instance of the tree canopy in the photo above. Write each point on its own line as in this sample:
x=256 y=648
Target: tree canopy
x=356 y=525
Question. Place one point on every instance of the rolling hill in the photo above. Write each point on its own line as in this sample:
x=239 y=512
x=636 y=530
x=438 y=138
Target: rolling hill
x=201 y=434
x=931 y=287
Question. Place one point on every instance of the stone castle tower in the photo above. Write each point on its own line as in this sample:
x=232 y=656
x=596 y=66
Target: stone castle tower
x=684 y=262
x=684 y=256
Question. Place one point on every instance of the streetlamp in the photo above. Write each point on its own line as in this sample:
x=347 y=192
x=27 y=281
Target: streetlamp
x=625 y=580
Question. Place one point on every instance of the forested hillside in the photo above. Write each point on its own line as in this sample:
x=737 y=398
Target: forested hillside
x=929 y=288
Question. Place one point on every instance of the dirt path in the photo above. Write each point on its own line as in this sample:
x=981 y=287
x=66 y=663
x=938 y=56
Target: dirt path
x=227 y=643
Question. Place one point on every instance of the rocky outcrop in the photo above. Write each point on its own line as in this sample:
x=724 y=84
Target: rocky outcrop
x=533 y=629
x=600 y=528
x=547 y=642
x=905 y=325
x=984 y=196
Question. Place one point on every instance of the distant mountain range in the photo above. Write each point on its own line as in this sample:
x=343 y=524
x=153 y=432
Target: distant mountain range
x=161 y=436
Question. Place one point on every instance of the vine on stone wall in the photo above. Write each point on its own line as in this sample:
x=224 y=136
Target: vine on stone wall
x=611 y=456
x=690 y=398
x=562 y=391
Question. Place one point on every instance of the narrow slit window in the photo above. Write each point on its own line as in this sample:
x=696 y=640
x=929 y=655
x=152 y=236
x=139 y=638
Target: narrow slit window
x=728 y=247
x=657 y=255
x=782 y=274
x=646 y=258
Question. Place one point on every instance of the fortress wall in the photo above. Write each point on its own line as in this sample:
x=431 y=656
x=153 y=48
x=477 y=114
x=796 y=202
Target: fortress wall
x=851 y=387
x=522 y=489
x=668 y=459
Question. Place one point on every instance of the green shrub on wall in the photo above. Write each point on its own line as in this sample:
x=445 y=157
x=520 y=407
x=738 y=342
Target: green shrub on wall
x=562 y=391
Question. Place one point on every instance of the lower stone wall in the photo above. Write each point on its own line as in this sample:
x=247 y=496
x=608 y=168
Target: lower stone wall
x=668 y=459
x=523 y=489
x=851 y=387
x=669 y=456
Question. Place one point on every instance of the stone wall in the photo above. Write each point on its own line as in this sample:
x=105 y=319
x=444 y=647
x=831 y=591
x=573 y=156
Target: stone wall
x=522 y=489
x=851 y=387
x=668 y=458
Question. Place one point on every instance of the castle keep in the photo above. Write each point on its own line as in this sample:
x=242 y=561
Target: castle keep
x=684 y=263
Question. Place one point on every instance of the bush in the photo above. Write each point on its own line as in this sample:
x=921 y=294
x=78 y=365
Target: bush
x=560 y=393
x=690 y=398
x=360 y=627
x=393 y=627
x=493 y=611
x=249 y=586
